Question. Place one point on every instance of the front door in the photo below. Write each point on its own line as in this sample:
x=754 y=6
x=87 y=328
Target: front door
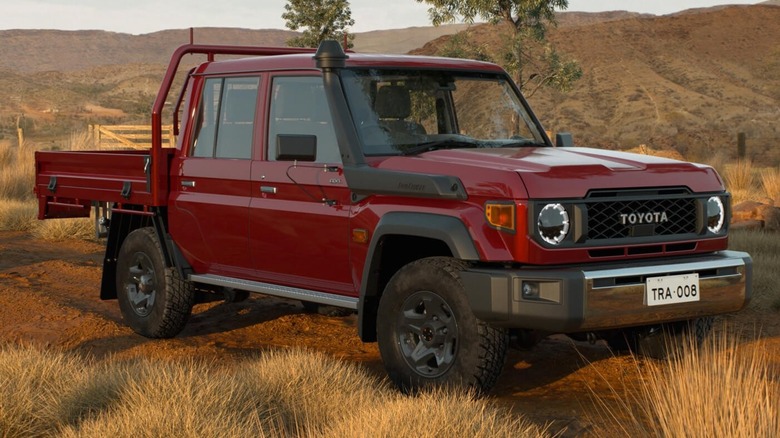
x=299 y=211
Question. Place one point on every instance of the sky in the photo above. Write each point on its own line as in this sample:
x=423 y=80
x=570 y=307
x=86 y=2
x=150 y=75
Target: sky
x=146 y=16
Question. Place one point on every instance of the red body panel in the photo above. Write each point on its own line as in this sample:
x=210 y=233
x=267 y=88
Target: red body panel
x=559 y=173
x=211 y=220
x=291 y=223
x=93 y=176
x=297 y=237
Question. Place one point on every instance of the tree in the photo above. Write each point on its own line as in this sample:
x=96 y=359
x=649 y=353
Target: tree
x=526 y=21
x=323 y=20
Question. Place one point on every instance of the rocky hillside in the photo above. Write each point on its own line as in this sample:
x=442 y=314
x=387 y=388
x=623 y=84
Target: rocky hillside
x=54 y=82
x=57 y=50
x=32 y=51
x=688 y=82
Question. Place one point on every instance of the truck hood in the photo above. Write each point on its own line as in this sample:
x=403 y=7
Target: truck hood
x=554 y=172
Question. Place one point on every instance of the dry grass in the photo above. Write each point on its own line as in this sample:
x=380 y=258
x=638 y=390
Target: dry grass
x=63 y=229
x=725 y=390
x=32 y=386
x=764 y=248
x=745 y=181
x=740 y=180
x=18 y=171
x=22 y=215
x=18 y=207
x=156 y=399
x=770 y=182
x=80 y=141
x=312 y=391
x=718 y=389
x=18 y=210
x=17 y=215
x=438 y=413
x=281 y=393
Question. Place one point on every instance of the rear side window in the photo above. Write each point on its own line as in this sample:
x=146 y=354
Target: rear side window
x=226 y=118
x=299 y=107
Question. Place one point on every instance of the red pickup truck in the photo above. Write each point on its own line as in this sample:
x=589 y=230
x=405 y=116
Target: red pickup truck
x=420 y=192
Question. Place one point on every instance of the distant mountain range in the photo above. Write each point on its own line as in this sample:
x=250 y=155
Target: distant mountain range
x=31 y=51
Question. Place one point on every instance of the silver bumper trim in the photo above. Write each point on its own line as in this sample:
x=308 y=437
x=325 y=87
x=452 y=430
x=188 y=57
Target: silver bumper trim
x=664 y=269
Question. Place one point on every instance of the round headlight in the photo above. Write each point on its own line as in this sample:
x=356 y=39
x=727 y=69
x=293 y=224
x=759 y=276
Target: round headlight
x=715 y=214
x=553 y=223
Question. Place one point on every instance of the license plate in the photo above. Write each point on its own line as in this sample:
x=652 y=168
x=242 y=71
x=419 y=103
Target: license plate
x=672 y=289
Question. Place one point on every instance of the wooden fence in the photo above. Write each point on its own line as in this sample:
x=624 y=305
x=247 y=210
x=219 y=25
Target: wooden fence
x=129 y=136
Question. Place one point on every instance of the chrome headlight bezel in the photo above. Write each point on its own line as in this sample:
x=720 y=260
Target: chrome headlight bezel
x=715 y=214
x=553 y=224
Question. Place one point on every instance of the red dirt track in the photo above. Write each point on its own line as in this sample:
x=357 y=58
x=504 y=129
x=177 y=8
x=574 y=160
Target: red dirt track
x=49 y=297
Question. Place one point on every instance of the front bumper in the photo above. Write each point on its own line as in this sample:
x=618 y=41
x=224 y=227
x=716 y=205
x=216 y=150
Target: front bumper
x=605 y=296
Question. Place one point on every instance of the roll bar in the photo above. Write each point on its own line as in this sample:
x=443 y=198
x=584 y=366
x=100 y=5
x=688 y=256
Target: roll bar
x=158 y=177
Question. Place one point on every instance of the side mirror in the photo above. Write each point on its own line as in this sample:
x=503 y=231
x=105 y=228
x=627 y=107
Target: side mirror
x=296 y=147
x=564 y=139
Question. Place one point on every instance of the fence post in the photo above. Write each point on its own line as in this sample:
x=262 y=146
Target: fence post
x=741 y=147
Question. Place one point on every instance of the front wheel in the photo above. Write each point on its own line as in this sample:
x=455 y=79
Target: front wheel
x=155 y=302
x=428 y=335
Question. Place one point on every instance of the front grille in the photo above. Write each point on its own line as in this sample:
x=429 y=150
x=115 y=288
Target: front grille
x=632 y=222
x=611 y=219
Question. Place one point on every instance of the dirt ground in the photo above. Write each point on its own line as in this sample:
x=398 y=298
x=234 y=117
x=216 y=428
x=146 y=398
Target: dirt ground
x=49 y=297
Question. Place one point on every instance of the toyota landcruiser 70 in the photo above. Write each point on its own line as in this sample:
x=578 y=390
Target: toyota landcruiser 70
x=420 y=192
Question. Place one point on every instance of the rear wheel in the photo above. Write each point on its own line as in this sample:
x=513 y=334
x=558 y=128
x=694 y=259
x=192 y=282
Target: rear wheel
x=155 y=302
x=664 y=340
x=428 y=335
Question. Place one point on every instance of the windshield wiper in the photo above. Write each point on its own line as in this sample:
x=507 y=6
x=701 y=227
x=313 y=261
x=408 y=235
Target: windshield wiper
x=438 y=144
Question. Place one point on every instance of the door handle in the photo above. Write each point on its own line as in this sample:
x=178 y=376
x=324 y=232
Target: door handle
x=186 y=183
x=268 y=189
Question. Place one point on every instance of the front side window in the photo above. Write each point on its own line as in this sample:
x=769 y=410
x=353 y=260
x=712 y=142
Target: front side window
x=299 y=107
x=226 y=118
x=404 y=112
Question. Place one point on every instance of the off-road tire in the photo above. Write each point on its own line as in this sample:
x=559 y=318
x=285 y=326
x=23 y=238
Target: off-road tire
x=155 y=302
x=424 y=310
x=662 y=341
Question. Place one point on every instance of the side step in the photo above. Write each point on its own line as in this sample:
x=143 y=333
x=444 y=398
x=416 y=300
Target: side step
x=278 y=291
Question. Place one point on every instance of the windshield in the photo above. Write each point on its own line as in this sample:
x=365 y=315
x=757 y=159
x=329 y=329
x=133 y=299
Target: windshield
x=408 y=112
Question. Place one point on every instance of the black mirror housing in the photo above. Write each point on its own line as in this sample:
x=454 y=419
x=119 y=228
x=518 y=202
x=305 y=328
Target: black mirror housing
x=296 y=147
x=564 y=139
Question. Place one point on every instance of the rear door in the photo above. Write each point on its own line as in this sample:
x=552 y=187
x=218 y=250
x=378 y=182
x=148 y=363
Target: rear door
x=212 y=187
x=299 y=212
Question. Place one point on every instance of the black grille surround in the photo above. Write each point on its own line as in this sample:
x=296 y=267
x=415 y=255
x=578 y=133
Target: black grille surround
x=610 y=218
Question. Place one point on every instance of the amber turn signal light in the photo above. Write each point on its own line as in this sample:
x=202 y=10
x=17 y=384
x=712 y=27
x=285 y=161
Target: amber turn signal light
x=359 y=235
x=501 y=216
